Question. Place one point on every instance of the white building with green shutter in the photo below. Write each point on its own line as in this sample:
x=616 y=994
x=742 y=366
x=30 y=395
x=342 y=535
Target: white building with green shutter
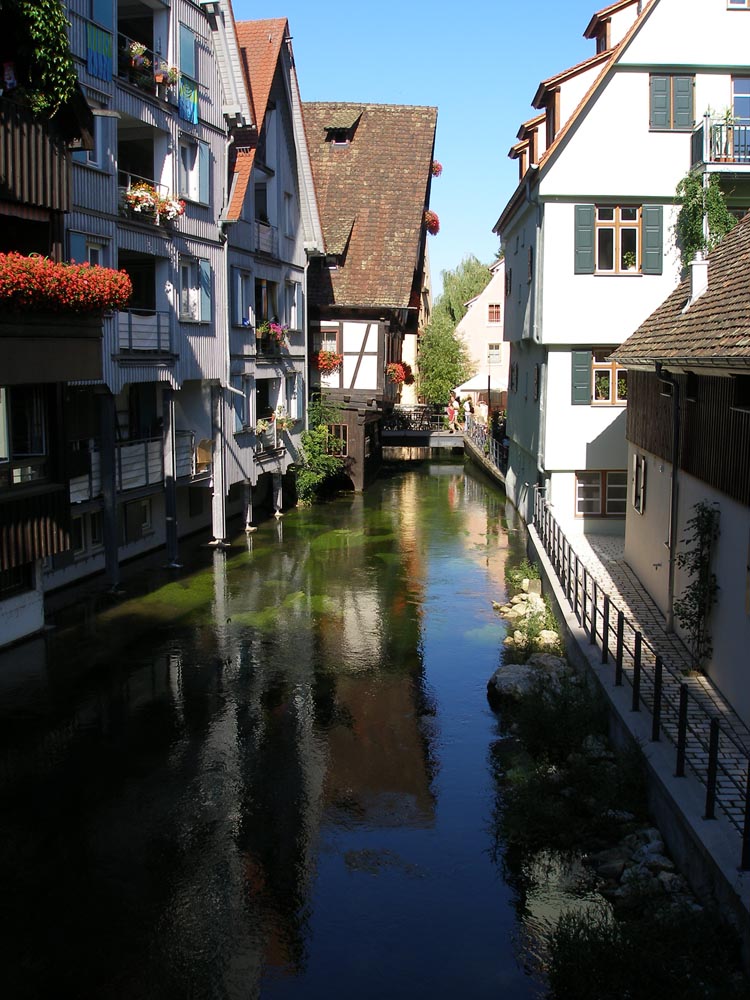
x=588 y=233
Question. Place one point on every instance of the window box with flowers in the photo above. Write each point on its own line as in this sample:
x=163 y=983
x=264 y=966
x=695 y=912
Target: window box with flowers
x=143 y=200
x=282 y=420
x=328 y=362
x=272 y=335
x=38 y=285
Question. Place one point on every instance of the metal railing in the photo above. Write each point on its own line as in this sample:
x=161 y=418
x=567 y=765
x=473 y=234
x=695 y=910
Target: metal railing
x=137 y=64
x=266 y=239
x=481 y=435
x=721 y=140
x=146 y=331
x=420 y=417
x=716 y=756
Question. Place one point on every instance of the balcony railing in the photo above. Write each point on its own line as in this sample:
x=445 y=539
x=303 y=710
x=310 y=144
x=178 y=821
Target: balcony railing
x=721 y=140
x=137 y=464
x=266 y=238
x=144 y=331
x=136 y=63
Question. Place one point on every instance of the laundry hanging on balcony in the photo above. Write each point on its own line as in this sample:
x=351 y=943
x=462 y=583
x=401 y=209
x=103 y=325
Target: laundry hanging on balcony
x=188 y=102
x=98 y=52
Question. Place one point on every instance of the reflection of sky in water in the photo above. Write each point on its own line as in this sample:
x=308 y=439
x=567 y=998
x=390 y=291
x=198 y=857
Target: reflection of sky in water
x=275 y=781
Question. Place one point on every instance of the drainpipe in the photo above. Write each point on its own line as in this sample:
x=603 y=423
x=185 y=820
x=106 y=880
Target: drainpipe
x=671 y=542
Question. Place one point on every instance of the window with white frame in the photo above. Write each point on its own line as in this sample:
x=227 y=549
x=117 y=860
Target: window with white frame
x=195 y=290
x=293 y=396
x=95 y=253
x=494 y=354
x=738 y=4
x=194 y=170
x=93 y=157
x=638 y=495
x=601 y=493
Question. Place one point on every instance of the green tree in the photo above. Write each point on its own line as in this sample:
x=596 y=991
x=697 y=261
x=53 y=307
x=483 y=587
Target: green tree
x=699 y=202
x=321 y=464
x=443 y=361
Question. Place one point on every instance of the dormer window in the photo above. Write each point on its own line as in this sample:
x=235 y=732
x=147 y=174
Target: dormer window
x=340 y=130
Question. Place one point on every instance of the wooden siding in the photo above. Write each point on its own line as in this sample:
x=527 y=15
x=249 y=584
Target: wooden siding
x=715 y=440
x=34 y=166
x=33 y=526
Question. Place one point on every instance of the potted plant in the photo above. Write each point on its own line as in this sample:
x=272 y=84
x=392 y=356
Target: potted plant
x=142 y=198
x=170 y=208
x=282 y=419
x=432 y=222
x=328 y=362
x=629 y=260
x=396 y=372
x=262 y=426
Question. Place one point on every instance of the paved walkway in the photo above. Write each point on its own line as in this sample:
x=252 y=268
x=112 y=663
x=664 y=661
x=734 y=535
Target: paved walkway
x=603 y=557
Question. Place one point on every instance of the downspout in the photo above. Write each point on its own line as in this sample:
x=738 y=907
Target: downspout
x=534 y=305
x=670 y=543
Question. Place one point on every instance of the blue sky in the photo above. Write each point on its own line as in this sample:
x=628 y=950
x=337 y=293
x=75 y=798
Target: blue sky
x=479 y=62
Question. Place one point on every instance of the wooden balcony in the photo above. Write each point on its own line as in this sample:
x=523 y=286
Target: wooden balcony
x=34 y=165
x=722 y=144
x=41 y=347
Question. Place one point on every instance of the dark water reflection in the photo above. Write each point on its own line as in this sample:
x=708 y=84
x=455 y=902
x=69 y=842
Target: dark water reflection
x=269 y=778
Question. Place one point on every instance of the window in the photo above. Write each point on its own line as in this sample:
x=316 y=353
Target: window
x=23 y=435
x=93 y=157
x=195 y=290
x=293 y=396
x=77 y=536
x=494 y=313
x=328 y=339
x=96 y=529
x=537 y=380
x=494 y=354
x=610 y=382
x=146 y=515
x=261 y=204
x=619 y=239
x=741 y=393
x=338 y=439
x=82 y=248
x=288 y=214
x=266 y=398
x=193 y=181
x=601 y=494
x=187 y=104
x=293 y=312
x=638 y=495
x=266 y=300
x=244 y=288
x=508 y=281
x=95 y=254
x=738 y=4
x=530 y=265
x=513 y=380
x=671 y=103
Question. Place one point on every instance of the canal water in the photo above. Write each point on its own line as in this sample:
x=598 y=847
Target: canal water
x=271 y=775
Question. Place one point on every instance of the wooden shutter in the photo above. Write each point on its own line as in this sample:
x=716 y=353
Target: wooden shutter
x=584 y=239
x=653 y=240
x=581 y=378
x=204 y=173
x=682 y=102
x=659 y=102
x=204 y=285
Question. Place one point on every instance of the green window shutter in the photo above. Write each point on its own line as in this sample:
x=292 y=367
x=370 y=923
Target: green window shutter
x=581 y=378
x=187 y=52
x=659 y=102
x=204 y=282
x=653 y=240
x=77 y=248
x=204 y=173
x=682 y=87
x=584 y=239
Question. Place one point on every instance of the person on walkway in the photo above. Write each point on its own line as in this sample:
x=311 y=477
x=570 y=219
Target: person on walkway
x=452 y=411
x=468 y=408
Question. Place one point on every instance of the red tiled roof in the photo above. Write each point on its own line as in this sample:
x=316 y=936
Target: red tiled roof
x=567 y=74
x=604 y=15
x=715 y=329
x=380 y=181
x=260 y=45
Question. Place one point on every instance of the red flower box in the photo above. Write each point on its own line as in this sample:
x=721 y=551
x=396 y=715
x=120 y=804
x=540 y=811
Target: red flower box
x=39 y=285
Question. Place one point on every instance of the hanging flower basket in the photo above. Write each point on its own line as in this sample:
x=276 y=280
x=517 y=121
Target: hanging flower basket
x=431 y=221
x=396 y=372
x=39 y=285
x=170 y=208
x=142 y=198
x=437 y=168
x=282 y=420
x=328 y=362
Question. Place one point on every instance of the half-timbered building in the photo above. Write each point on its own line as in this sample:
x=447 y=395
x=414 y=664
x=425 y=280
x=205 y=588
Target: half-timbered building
x=372 y=169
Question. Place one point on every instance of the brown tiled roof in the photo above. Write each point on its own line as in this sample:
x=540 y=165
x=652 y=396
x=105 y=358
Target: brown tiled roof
x=715 y=329
x=567 y=74
x=603 y=15
x=380 y=180
x=260 y=44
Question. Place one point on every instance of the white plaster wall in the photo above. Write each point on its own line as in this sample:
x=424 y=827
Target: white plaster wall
x=595 y=309
x=517 y=238
x=23 y=614
x=353 y=337
x=621 y=22
x=579 y=437
x=478 y=333
x=729 y=622
x=702 y=32
x=561 y=493
x=574 y=90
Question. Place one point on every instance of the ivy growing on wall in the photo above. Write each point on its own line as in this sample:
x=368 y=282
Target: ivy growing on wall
x=693 y=608
x=44 y=52
x=699 y=202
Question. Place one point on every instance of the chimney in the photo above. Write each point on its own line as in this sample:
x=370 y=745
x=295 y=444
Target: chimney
x=698 y=278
